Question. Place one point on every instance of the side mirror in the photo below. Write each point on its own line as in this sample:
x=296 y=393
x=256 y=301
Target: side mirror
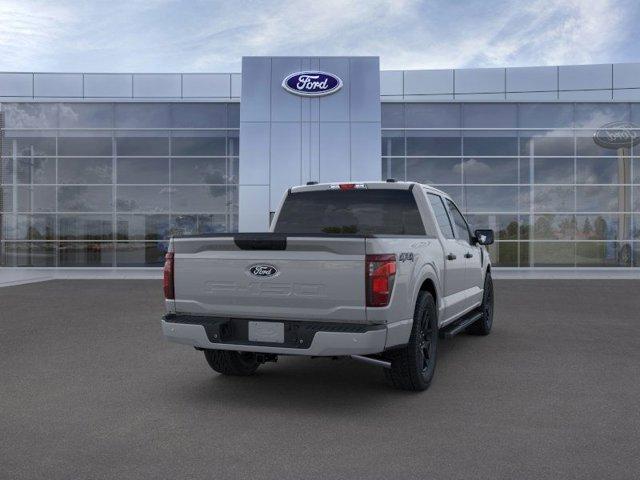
x=484 y=237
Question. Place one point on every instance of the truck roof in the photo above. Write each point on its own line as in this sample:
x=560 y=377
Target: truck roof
x=377 y=184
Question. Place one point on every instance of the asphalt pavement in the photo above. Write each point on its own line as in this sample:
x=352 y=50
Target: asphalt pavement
x=89 y=389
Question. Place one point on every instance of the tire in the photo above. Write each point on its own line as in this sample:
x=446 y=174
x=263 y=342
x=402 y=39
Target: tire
x=226 y=362
x=483 y=325
x=413 y=366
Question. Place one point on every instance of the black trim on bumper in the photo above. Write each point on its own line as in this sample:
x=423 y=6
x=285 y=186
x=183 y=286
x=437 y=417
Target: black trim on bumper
x=235 y=331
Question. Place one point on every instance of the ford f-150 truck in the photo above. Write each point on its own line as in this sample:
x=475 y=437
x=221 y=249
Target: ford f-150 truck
x=377 y=271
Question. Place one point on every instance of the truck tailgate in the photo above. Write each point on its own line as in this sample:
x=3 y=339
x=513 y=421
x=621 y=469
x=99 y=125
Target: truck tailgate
x=271 y=276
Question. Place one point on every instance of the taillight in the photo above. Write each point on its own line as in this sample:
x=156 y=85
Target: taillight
x=380 y=275
x=167 y=279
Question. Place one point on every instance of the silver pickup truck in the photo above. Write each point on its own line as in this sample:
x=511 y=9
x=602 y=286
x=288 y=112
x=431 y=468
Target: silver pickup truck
x=377 y=271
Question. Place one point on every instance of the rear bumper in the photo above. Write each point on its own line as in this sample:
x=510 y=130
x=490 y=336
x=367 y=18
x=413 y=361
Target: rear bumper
x=302 y=338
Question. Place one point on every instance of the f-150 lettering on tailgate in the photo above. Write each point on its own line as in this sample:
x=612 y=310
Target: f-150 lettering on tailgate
x=265 y=289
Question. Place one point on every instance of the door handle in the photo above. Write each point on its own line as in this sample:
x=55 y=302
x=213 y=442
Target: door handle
x=451 y=256
x=468 y=255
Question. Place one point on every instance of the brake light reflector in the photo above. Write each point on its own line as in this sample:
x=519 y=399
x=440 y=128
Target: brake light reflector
x=167 y=279
x=380 y=273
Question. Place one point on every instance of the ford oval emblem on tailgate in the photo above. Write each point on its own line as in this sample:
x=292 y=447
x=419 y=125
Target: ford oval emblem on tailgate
x=263 y=270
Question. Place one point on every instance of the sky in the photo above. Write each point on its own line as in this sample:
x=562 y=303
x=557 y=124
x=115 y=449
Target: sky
x=212 y=36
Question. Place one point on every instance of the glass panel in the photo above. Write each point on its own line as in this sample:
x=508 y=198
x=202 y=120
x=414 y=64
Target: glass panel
x=586 y=145
x=554 y=199
x=505 y=227
x=142 y=170
x=40 y=254
x=432 y=115
x=431 y=143
x=552 y=254
x=392 y=143
x=554 y=227
x=392 y=115
x=490 y=115
x=504 y=254
x=6 y=199
x=603 y=227
x=233 y=172
x=490 y=143
x=30 y=115
x=199 y=199
x=85 y=170
x=546 y=144
x=131 y=254
x=6 y=170
x=525 y=170
x=199 y=115
x=198 y=224
x=143 y=199
x=636 y=199
x=93 y=115
x=146 y=146
x=84 y=254
x=525 y=258
x=143 y=227
x=199 y=170
x=545 y=115
x=491 y=199
x=142 y=115
x=603 y=199
x=206 y=144
x=91 y=146
x=553 y=170
x=36 y=199
x=598 y=114
x=636 y=170
x=636 y=254
x=603 y=170
x=233 y=143
x=36 y=170
x=35 y=227
x=393 y=168
x=490 y=170
x=85 y=227
x=32 y=146
x=635 y=233
x=85 y=199
x=525 y=226
x=434 y=170
x=233 y=112
x=442 y=217
x=603 y=254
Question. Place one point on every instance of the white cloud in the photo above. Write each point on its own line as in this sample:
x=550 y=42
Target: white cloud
x=166 y=35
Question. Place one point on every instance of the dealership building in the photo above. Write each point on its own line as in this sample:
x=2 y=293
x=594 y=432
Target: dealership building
x=99 y=170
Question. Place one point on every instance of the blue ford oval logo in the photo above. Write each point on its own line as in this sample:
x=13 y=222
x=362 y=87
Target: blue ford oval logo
x=263 y=270
x=312 y=84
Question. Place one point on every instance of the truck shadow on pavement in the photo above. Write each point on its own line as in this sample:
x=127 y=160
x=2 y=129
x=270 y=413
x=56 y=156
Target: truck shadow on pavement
x=341 y=386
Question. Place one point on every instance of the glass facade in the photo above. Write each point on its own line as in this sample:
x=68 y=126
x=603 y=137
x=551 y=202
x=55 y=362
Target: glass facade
x=106 y=184
x=531 y=171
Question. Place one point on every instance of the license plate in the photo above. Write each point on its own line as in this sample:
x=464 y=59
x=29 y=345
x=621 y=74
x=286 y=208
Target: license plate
x=271 y=332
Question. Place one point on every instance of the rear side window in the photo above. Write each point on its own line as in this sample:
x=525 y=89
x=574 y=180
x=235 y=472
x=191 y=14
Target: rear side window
x=442 y=217
x=362 y=212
